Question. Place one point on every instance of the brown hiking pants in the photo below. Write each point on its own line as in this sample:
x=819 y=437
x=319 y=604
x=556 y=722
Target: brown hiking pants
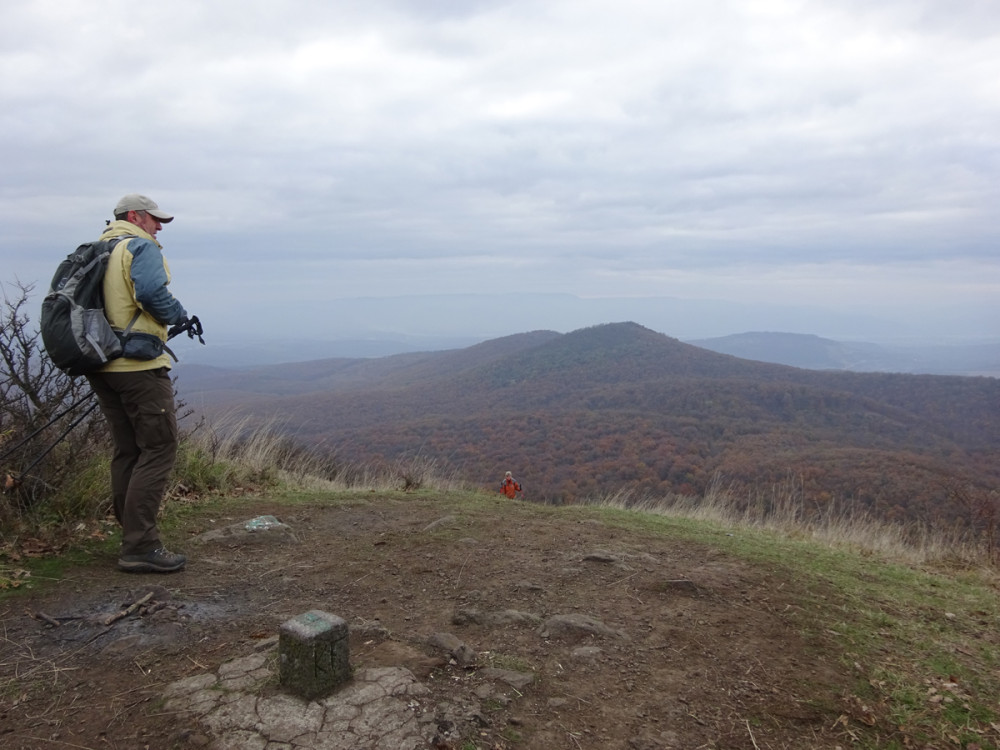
x=139 y=407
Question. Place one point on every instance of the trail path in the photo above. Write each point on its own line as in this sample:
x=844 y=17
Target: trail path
x=492 y=627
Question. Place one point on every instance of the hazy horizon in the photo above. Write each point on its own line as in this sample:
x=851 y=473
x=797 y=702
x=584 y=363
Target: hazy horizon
x=371 y=328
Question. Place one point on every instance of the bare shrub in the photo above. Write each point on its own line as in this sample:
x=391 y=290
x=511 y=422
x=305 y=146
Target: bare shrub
x=33 y=394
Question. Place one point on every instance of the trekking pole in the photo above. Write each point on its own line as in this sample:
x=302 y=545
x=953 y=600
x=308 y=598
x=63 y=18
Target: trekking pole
x=48 y=424
x=13 y=482
x=194 y=329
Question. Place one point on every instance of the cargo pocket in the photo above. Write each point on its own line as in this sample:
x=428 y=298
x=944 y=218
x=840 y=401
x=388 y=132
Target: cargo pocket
x=155 y=425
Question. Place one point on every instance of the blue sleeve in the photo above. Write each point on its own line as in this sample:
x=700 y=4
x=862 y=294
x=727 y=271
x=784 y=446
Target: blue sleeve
x=150 y=278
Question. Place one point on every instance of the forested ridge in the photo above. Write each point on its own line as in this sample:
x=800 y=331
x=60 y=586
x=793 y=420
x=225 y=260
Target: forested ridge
x=619 y=407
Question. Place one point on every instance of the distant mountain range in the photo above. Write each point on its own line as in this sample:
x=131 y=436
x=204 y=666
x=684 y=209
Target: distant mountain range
x=620 y=407
x=798 y=350
x=816 y=353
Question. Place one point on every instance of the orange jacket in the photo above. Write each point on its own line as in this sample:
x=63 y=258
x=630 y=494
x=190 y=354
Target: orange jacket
x=510 y=487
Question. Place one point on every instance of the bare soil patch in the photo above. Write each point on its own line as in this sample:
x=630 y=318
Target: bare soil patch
x=628 y=640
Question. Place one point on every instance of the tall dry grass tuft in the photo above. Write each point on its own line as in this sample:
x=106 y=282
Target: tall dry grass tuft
x=236 y=450
x=783 y=508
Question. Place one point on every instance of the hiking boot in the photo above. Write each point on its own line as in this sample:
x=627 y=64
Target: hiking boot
x=158 y=561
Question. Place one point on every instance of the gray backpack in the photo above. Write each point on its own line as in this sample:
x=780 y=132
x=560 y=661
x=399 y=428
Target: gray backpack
x=74 y=328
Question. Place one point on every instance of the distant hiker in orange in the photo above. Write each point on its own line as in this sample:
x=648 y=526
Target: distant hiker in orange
x=510 y=486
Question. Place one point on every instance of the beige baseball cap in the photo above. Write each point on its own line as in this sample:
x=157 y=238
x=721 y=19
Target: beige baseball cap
x=136 y=202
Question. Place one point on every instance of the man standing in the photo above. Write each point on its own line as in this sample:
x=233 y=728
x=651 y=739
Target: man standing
x=135 y=391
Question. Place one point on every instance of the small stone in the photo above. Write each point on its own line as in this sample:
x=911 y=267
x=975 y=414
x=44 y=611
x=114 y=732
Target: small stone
x=586 y=653
x=577 y=625
x=462 y=653
x=519 y=680
x=602 y=556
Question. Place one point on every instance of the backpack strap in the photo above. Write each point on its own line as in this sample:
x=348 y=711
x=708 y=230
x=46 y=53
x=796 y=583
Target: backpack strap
x=128 y=328
x=115 y=240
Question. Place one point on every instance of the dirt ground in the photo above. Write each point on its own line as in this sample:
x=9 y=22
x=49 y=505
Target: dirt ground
x=623 y=639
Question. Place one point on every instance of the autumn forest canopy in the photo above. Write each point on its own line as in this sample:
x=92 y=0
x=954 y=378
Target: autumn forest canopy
x=621 y=408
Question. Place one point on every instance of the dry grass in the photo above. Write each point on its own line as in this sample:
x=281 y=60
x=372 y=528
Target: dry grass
x=267 y=452
x=782 y=508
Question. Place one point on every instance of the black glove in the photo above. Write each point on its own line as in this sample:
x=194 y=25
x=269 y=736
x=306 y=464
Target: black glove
x=192 y=325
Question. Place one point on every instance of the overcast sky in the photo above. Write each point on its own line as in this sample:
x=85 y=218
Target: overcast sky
x=840 y=155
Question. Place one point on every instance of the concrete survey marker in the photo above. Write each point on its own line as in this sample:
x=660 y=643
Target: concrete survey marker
x=313 y=654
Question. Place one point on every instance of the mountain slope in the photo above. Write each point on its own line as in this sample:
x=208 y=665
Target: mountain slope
x=618 y=405
x=399 y=370
x=797 y=350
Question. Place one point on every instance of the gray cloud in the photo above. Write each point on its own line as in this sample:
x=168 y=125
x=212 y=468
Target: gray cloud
x=719 y=149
